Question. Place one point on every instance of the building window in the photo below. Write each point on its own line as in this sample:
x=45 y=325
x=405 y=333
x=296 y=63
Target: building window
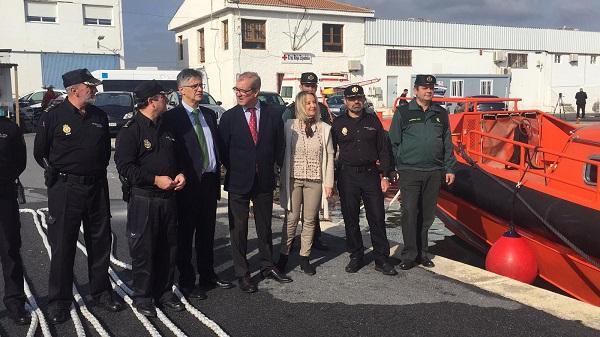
x=254 y=34
x=286 y=91
x=97 y=15
x=400 y=58
x=201 y=45
x=591 y=171
x=180 y=46
x=593 y=59
x=40 y=11
x=485 y=87
x=225 y=35
x=333 y=38
x=557 y=58
x=518 y=61
x=456 y=88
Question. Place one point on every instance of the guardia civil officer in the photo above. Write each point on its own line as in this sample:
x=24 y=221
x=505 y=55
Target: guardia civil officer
x=362 y=143
x=148 y=158
x=308 y=83
x=423 y=151
x=73 y=145
x=13 y=158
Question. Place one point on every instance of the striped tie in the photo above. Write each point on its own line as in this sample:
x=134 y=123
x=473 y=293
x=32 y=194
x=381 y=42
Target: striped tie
x=201 y=138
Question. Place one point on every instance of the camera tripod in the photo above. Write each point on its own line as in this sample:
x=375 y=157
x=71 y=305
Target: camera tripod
x=560 y=106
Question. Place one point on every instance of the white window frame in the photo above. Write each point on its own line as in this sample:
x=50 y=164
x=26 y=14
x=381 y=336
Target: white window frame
x=104 y=21
x=452 y=88
x=557 y=58
x=42 y=17
x=490 y=86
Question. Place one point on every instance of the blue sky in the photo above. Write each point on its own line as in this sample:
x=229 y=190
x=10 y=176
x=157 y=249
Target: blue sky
x=149 y=43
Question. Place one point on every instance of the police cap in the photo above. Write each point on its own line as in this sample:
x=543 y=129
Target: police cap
x=354 y=91
x=424 y=80
x=309 y=78
x=79 y=76
x=148 y=89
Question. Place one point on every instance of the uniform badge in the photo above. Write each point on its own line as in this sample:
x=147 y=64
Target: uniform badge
x=344 y=131
x=429 y=79
x=355 y=90
x=66 y=129
x=311 y=77
x=437 y=119
x=147 y=144
x=3 y=135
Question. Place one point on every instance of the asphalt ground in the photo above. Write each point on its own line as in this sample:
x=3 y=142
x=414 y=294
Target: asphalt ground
x=418 y=302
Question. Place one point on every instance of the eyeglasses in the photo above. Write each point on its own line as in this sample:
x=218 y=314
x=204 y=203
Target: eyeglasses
x=242 y=91
x=193 y=86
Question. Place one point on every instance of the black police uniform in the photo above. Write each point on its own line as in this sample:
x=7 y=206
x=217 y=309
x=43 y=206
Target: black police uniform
x=362 y=142
x=145 y=149
x=77 y=147
x=13 y=158
x=423 y=151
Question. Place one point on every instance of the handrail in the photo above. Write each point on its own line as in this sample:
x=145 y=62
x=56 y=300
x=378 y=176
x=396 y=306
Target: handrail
x=474 y=100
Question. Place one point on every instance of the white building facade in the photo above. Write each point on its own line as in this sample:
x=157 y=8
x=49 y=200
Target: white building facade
x=228 y=37
x=47 y=38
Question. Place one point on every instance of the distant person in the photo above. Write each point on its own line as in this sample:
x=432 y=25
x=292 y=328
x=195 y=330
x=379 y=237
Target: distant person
x=580 y=99
x=13 y=158
x=49 y=95
x=147 y=155
x=306 y=177
x=309 y=83
x=403 y=95
x=424 y=157
x=73 y=145
x=252 y=138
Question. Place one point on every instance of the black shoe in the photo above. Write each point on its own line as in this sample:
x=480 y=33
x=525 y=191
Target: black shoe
x=320 y=245
x=282 y=262
x=276 y=275
x=406 y=265
x=110 y=301
x=196 y=293
x=354 y=265
x=386 y=269
x=306 y=267
x=20 y=316
x=214 y=281
x=426 y=262
x=145 y=308
x=172 y=303
x=246 y=285
x=58 y=316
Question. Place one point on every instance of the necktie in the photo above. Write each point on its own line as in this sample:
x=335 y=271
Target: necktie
x=201 y=138
x=252 y=124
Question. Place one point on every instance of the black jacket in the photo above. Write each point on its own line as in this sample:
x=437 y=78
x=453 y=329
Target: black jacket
x=242 y=158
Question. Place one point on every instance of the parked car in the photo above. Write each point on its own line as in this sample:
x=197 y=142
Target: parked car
x=337 y=107
x=119 y=107
x=273 y=99
x=482 y=106
x=30 y=108
x=216 y=106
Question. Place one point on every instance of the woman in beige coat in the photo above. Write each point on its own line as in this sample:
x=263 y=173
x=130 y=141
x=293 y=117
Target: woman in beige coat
x=306 y=177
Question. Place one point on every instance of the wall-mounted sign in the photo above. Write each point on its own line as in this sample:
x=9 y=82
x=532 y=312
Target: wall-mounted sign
x=305 y=58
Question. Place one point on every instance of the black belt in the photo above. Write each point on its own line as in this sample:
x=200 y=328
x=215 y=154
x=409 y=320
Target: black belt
x=357 y=168
x=84 y=180
x=151 y=194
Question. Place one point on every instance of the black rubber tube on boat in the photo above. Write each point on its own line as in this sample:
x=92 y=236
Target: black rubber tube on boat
x=566 y=241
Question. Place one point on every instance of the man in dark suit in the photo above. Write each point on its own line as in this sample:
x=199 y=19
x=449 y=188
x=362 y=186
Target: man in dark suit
x=252 y=142
x=196 y=127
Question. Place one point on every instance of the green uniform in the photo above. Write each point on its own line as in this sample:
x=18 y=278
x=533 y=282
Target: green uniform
x=290 y=113
x=423 y=152
x=421 y=140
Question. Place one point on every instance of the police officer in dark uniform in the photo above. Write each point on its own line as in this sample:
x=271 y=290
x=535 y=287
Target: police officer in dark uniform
x=362 y=143
x=13 y=158
x=73 y=145
x=423 y=151
x=148 y=159
x=308 y=83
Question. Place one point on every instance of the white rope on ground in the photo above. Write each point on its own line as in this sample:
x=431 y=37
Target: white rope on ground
x=37 y=316
x=143 y=319
x=88 y=315
x=79 y=330
x=145 y=322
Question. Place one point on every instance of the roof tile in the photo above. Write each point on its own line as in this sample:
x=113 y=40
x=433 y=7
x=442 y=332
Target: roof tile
x=310 y=4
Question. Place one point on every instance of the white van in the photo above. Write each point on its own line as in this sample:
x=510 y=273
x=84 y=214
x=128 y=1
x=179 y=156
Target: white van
x=128 y=79
x=290 y=85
